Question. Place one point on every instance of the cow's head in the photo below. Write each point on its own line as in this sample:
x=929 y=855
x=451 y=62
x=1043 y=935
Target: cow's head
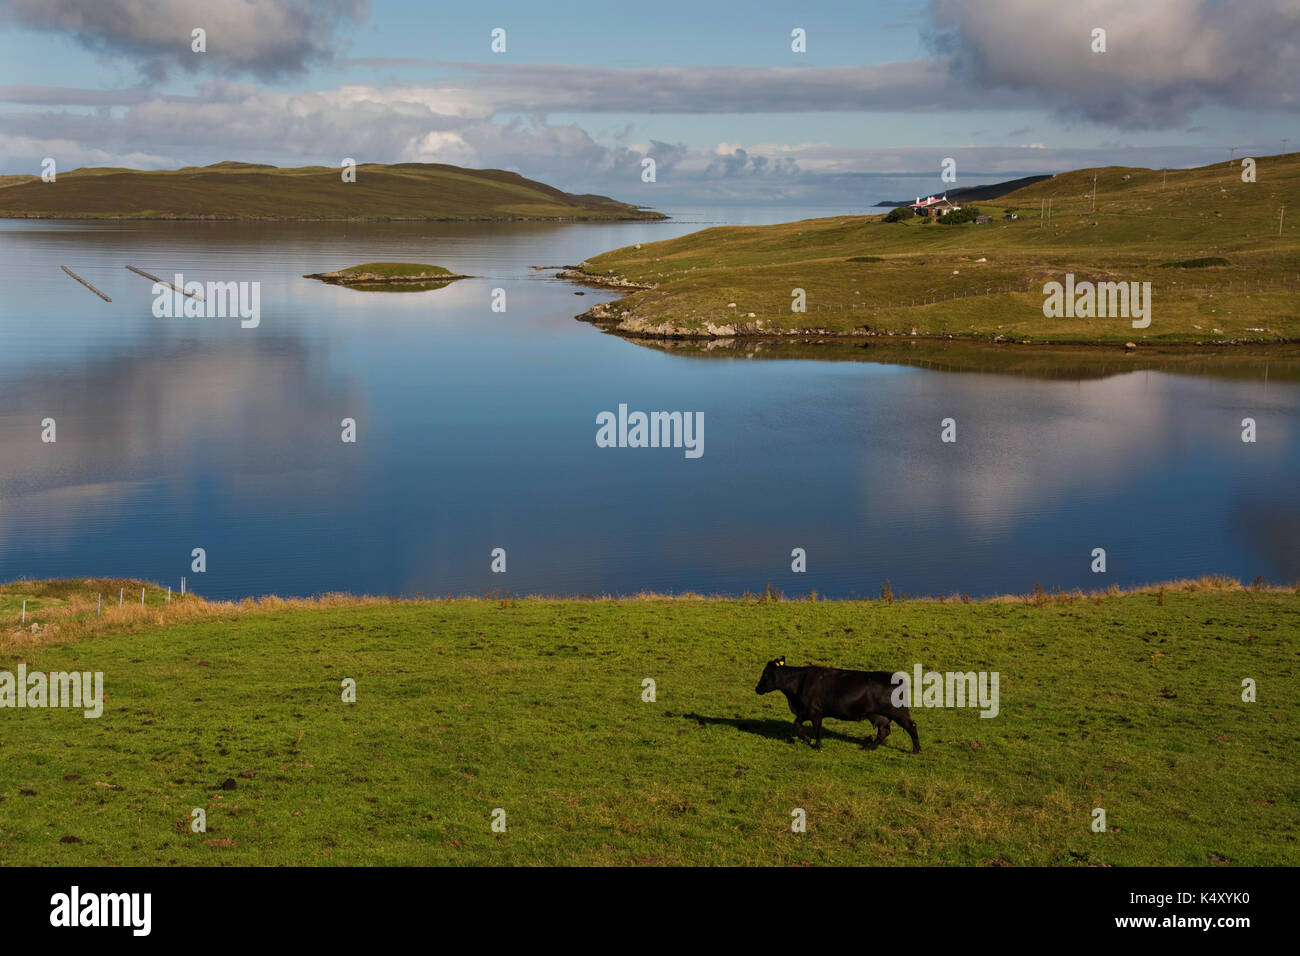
x=768 y=682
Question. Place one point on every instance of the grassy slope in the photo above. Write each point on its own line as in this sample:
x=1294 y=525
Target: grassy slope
x=246 y=191
x=1138 y=224
x=1130 y=703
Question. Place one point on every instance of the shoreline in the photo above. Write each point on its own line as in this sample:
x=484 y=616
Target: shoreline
x=1279 y=363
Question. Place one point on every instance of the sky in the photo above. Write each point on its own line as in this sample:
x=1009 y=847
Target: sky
x=883 y=93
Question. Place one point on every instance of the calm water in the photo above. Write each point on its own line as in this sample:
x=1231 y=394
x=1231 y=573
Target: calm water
x=476 y=430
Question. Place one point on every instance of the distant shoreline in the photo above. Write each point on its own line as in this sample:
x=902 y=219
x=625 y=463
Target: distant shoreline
x=85 y=217
x=974 y=193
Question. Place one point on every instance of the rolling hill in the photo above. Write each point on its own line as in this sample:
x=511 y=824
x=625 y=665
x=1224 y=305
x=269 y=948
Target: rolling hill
x=231 y=190
x=1221 y=265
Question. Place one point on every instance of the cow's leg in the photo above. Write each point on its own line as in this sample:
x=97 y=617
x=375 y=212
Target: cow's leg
x=798 y=726
x=817 y=729
x=881 y=723
x=905 y=721
x=870 y=742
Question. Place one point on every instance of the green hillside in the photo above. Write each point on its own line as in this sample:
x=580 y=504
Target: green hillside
x=247 y=191
x=864 y=276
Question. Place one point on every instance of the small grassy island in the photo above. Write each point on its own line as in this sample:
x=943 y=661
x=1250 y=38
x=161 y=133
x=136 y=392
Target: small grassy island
x=387 y=272
x=381 y=276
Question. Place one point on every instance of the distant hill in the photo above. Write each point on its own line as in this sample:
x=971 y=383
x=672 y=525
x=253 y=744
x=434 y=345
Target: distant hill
x=231 y=190
x=981 y=193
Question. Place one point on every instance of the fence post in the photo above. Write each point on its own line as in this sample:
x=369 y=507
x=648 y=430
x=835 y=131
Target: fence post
x=120 y=592
x=99 y=604
x=142 y=597
x=24 y=611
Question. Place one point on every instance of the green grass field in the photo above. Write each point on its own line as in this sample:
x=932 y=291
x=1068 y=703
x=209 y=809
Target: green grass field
x=1128 y=702
x=232 y=190
x=862 y=275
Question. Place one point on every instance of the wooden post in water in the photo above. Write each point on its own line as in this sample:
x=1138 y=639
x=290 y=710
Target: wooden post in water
x=192 y=295
x=85 y=283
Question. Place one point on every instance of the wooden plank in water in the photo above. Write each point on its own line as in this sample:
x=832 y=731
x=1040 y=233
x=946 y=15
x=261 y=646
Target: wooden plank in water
x=85 y=283
x=192 y=295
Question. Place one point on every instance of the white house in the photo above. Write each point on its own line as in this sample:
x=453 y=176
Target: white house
x=930 y=206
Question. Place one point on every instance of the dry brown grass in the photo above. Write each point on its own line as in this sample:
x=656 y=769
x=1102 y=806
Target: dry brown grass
x=66 y=608
x=1205 y=583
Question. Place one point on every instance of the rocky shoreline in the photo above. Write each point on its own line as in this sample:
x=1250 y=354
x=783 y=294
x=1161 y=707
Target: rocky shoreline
x=578 y=274
x=614 y=317
x=611 y=317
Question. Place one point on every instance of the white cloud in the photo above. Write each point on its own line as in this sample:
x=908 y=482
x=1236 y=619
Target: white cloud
x=70 y=154
x=1163 y=58
x=440 y=147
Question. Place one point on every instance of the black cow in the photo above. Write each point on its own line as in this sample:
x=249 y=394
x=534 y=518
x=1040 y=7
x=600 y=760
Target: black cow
x=818 y=692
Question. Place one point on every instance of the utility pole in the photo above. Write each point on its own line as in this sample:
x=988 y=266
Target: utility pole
x=1164 y=173
x=1094 y=192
